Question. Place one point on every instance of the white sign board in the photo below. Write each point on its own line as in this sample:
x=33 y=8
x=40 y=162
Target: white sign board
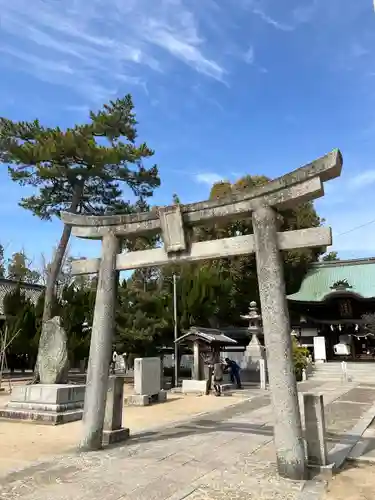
x=320 y=353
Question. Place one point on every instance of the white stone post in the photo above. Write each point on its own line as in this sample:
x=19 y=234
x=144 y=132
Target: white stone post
x=100 y=347
x=344 y=369
x=197 y=362
x=288 y=438
x=263 y=374
x=315 y=429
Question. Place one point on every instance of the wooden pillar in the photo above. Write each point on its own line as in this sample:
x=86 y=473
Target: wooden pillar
x=277 y=334
x=100 y=347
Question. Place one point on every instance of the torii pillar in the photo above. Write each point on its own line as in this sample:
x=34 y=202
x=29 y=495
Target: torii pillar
x=289 y=444
x=100 y=346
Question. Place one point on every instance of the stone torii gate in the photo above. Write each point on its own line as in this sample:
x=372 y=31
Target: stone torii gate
x=301 y=185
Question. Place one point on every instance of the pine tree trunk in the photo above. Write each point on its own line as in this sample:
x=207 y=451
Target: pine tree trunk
x=55 y=266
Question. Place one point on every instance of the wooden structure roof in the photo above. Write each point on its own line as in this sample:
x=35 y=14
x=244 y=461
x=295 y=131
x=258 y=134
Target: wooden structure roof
x=207 y=335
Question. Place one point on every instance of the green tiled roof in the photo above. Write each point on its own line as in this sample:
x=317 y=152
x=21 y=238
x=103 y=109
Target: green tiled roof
x=316 y=286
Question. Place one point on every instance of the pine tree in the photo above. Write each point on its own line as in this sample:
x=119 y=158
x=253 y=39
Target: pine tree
x=19 y=269
x=77 y=308
x=20 y=320
x=143 y=320
x=81 y=169
x=330 y=256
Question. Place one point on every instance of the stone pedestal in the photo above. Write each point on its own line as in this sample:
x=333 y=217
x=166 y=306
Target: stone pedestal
x=113 y=431
x=250 y=364
x=147 y=386
x=198 y=387
x=144 y=399
x=315 y=430
x=50 y=404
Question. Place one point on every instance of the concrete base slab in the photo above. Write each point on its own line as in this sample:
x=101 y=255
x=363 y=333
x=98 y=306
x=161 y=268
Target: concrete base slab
x=42 y=417
x=50 y=404
x=49 y=393
x=321 y=472
x=227 y=387
x=137 y=400
x=195 y=387
x=16 y=405
x=116 y=436
x=144 y=399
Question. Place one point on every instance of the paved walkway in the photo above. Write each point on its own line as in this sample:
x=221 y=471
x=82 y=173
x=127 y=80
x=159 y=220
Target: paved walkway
x=26 y=443
x=226 y=455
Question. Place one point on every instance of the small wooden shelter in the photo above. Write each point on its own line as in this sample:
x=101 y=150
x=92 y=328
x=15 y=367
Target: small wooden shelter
x=207 y=342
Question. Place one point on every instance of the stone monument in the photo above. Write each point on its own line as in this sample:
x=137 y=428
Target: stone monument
x=52 y=359
x=52 y=401
x=250 y=363
x=147 y=383
x=261 y=205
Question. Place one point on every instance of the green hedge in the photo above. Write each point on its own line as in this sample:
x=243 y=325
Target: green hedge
x=300 y=359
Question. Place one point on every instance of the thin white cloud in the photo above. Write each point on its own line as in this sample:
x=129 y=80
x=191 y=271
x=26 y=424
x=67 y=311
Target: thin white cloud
x=363 y=179
x=182 y=41
x=209 y=178
x=250 y=55
x=271 y=21
x=339 y=191
x=85 y=45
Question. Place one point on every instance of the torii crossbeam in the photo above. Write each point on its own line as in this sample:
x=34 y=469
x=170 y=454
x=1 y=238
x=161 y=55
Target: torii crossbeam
x=301 y=185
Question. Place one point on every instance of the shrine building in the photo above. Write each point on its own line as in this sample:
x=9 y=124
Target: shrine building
x=327 y=312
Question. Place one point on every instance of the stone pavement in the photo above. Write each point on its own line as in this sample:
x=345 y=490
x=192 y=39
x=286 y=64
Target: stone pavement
x=225 y=455
x=26 y=443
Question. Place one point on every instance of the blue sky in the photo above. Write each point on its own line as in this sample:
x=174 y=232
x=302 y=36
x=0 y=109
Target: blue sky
x=222 y=88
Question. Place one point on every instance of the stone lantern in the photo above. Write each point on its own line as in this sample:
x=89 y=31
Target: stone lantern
x=254 y=318
x=254 y=351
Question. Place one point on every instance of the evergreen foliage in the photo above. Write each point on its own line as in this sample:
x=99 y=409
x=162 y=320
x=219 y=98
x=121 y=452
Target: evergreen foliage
x=19 y=269
x=81 y=169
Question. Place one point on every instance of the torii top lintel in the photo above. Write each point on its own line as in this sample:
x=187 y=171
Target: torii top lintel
x=301 y=185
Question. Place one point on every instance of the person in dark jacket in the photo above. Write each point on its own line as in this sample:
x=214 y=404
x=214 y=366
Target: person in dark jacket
x=234 y=372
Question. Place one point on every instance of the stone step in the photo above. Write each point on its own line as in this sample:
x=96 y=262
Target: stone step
x=359 y=374
x=43 y=417
x=349 y=367
x=369 y=373
x=340 y=378
x=357 y=368
x=331 y=374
